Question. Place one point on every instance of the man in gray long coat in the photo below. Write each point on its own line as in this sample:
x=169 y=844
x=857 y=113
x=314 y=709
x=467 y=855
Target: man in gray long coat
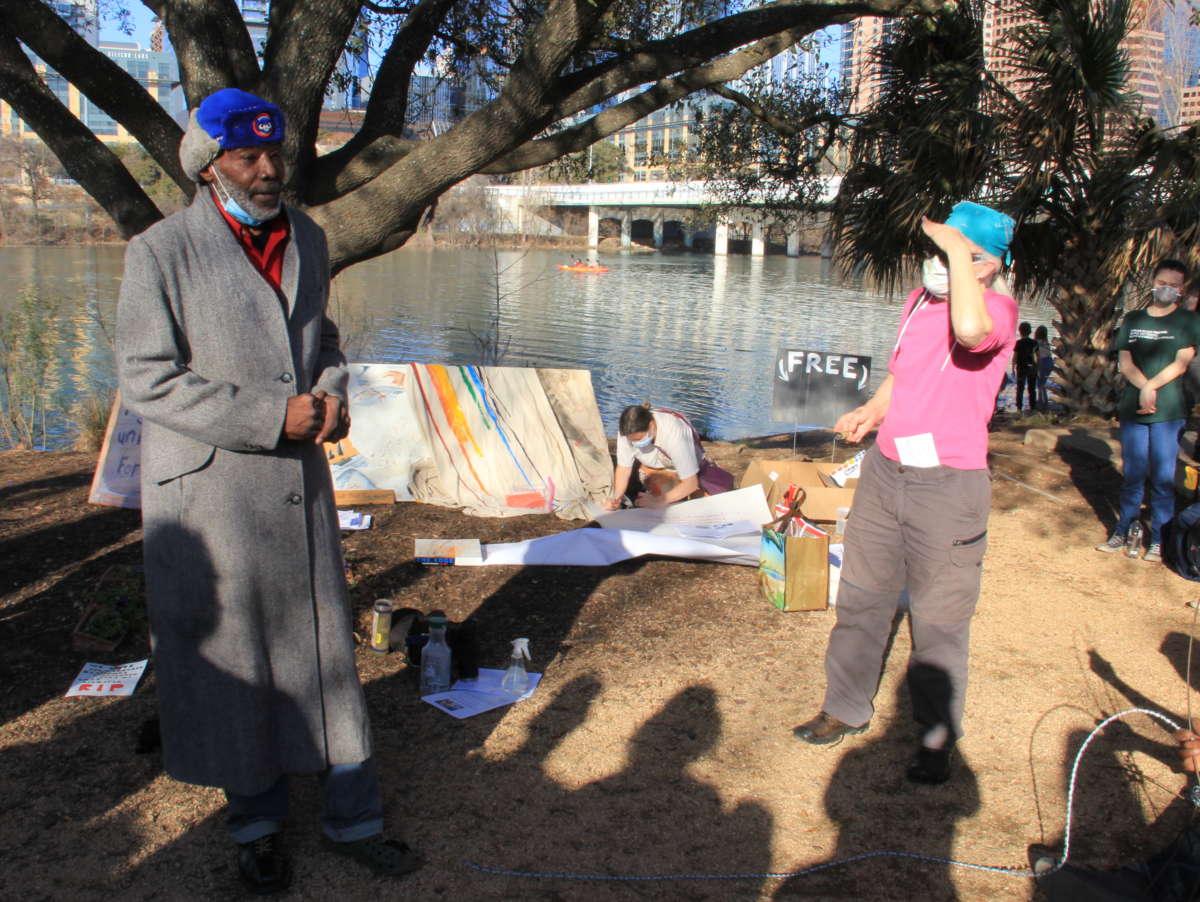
x=225 y=350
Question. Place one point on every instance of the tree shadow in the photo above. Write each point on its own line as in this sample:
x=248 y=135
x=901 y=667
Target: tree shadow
x=1162 y=856
x=27 y=558
x=1097 y=480
x=604 y=827
x=39 y=661
x=877 y=809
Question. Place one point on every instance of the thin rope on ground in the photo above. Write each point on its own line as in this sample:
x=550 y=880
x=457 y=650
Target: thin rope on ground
x=841 y=862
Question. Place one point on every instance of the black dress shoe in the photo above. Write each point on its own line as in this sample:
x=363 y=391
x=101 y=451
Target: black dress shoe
x=264 y=866
x=931 y=766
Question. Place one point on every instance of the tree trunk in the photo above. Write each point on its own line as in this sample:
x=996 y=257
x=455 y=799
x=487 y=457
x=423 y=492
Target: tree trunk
x=1089 y=311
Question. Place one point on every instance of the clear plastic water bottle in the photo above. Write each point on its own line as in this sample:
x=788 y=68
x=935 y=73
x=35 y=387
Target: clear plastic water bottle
x=435 y=658
x=1133 y=540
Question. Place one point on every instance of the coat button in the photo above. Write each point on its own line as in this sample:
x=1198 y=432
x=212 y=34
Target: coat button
x=285 y=377
x=294 y=498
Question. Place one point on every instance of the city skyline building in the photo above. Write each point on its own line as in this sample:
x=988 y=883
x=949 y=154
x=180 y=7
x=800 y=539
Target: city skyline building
x=157 y=72
x=1162 y=36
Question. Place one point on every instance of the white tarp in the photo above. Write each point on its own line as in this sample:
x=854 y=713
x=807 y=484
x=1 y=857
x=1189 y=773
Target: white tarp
x=494 y=441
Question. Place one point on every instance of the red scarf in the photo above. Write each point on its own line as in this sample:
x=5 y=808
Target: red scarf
x=268 y=261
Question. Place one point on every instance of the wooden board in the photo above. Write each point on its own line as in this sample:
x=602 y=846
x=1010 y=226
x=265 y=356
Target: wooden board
x=354 y=497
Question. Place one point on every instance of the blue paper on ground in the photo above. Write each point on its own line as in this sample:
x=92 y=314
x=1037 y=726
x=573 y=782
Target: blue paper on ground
x=467 y=698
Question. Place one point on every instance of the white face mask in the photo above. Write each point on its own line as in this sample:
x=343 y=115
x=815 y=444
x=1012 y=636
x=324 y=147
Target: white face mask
x=935 y=277
x=1165 y=295
x=644 y=443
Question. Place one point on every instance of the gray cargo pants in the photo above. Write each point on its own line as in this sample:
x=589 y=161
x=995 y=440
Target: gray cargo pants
x=924 y=529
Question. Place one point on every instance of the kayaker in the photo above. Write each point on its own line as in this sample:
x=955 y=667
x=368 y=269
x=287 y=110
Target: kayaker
x=671 y=466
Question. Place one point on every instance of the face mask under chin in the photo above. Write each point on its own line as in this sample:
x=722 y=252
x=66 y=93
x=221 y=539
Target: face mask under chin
x=238 y=204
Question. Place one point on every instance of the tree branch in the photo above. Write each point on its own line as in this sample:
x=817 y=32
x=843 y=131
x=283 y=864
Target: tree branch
x=212 y=45
x=103 y=82
x=90 y=163
x=300 y=56
x=666 y=91
x=520 y=110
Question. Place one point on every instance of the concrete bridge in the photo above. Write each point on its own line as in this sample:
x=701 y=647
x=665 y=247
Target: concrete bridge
x=628 y=202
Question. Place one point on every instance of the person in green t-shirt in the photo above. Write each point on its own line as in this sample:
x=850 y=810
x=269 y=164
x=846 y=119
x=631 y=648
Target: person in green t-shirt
x=1154 y=348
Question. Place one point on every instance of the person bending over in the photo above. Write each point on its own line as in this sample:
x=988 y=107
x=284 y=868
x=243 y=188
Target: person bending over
x=661 y=450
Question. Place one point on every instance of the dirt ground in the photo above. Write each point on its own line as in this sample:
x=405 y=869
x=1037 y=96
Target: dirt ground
x=659 y=741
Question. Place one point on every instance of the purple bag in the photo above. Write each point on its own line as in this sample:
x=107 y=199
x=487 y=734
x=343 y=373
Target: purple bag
x=713 y=479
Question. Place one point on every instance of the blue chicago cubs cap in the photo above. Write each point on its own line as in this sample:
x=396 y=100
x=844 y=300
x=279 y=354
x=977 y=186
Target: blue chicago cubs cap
x=990 y=229
x=238 y=119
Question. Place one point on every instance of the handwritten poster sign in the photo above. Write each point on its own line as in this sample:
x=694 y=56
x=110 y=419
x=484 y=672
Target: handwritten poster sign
x=107 y=679
x=814 y=388
x=118 y=478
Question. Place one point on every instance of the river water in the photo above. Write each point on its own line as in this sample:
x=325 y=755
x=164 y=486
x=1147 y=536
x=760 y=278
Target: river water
x=695 y=332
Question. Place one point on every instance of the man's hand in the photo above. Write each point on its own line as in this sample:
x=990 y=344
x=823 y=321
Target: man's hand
x=305 y=417
x=854 y=426
x=336 y=423
x=1148 y=399
x=1189 y=750
x=612 y=504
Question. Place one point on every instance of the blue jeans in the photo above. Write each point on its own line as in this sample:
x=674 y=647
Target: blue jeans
x=1149 y=451
x=351 y=807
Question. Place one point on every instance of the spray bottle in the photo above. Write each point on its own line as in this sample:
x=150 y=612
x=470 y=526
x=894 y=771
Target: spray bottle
x=516 y=679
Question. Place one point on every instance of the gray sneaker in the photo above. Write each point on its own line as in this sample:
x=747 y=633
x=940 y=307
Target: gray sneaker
x=1115 y=542
x=1153 y=553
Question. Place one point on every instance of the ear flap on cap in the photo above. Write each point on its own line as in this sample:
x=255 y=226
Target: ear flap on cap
x=197 y=149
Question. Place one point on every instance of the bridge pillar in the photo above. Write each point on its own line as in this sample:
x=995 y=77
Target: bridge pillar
x=793 y=247
x=658 y=230
x=593 y=227
x=721 y=239
x=626 y=229
x=689 y=238
x=758 y=247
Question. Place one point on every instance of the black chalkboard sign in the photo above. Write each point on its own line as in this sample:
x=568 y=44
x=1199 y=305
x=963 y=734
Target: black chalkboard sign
x=814 y=388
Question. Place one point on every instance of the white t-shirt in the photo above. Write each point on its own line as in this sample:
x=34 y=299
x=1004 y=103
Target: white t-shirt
x=674 y=447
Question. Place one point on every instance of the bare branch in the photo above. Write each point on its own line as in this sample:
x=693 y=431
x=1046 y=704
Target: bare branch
x=85 y=157
x=666 y=91
x=212 y=45
x=301 y=53
x=103 y=82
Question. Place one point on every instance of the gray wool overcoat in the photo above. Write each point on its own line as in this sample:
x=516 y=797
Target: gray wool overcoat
x=253 y=648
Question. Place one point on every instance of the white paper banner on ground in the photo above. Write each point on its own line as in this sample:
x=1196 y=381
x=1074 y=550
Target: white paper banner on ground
x=467 y=698
x=732 y=520
x=494 y=441
x=601 y=547
x=742 y=505
x=108 y=679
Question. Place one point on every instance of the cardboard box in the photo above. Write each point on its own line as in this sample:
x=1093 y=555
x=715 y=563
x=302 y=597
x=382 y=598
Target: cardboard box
x=822 y=497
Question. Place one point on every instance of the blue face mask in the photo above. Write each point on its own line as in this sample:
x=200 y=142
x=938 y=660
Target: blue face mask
x=231 y=206
x=644 y=443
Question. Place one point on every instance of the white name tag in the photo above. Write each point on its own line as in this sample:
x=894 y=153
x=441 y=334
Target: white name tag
x=917 y=450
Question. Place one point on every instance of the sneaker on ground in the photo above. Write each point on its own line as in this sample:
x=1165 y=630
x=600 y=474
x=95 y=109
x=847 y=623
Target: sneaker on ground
x=1115 y=542
x=1153 y=553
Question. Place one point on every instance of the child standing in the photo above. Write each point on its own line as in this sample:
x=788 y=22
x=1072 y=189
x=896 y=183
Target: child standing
x=1025 y=365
